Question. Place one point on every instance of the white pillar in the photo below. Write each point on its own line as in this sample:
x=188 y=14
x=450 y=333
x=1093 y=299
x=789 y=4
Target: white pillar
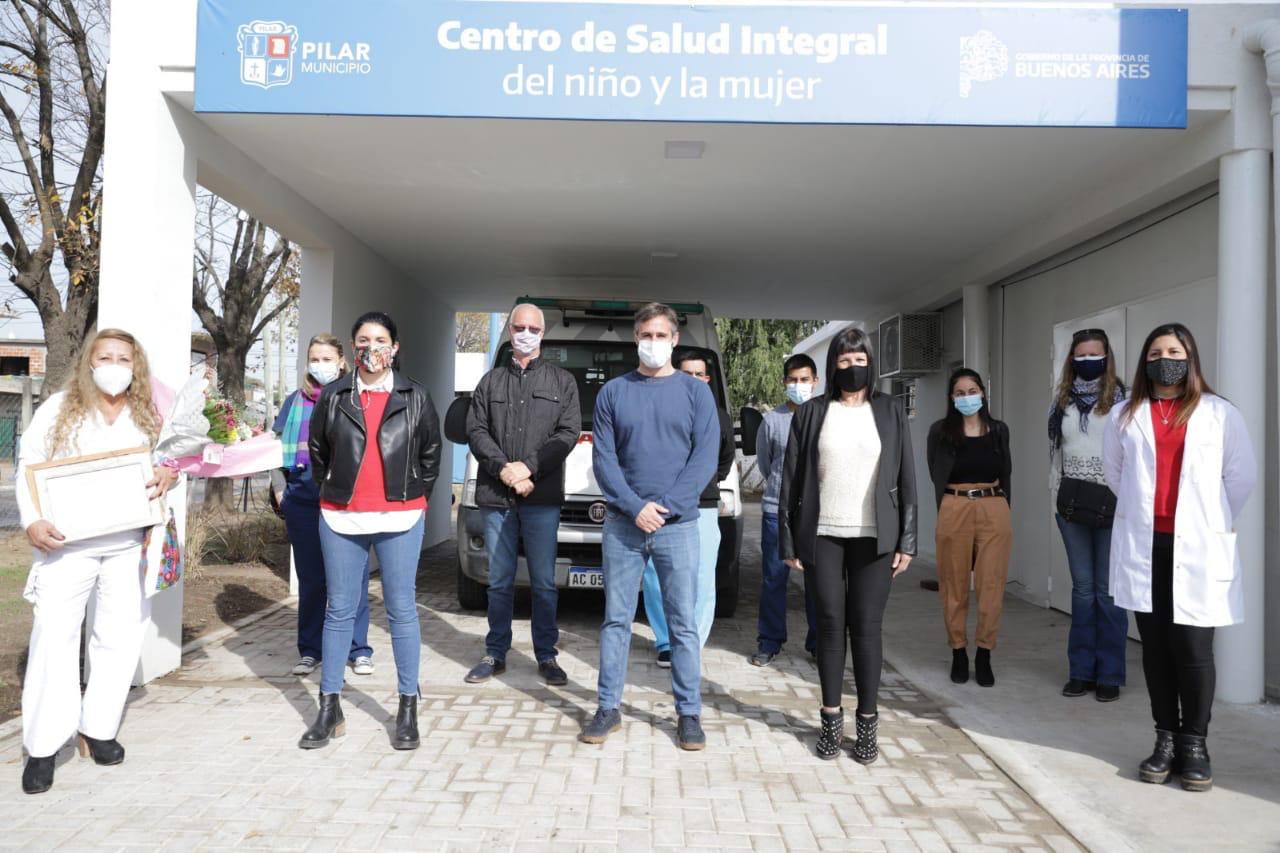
x=977 y=345
x=1250 y=639
x=1243 y=253
x=147 y=238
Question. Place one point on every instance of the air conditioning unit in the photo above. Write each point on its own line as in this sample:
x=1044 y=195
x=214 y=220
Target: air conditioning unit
x=910 y=345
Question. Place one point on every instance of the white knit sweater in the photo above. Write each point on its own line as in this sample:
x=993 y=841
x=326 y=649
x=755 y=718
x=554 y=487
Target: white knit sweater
x=848 y=464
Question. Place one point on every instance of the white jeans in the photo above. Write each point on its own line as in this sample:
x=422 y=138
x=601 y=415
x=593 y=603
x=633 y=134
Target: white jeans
x=51 y=705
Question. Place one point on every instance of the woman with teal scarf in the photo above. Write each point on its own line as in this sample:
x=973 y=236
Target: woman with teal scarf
x=301 y=510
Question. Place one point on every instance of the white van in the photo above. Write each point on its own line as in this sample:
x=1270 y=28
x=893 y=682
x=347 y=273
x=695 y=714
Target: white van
x=593 y=340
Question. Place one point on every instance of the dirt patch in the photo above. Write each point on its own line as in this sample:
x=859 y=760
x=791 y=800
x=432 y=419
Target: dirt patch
x=220 y=594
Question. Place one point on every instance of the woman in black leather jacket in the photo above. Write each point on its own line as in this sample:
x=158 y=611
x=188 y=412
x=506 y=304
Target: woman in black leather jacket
x=847 y=517
x=375 y=452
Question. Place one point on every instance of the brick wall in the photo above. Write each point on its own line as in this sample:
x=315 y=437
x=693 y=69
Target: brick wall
x=34 y=353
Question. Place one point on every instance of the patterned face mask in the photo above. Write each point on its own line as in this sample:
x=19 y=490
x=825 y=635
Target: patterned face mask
x=375 y=358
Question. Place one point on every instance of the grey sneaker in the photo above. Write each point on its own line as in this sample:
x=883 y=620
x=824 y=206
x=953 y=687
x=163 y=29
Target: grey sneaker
x=362 y=665
x=762 y=658
x=486 y=669
x=305 y=665
x=689 y=734
x=603 y=724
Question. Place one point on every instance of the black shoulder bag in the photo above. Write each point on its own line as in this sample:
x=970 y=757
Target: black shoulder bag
x=1085 y=502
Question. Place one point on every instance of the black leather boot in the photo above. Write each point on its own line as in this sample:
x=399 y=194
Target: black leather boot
x=982 y=668
x=865 y=749
x=1193 y=761
x=959 y=665
x=1156 y=767
x=104 y=752
x=329 y=724
x=37 y=776
x=832 y=734
x=406 y=724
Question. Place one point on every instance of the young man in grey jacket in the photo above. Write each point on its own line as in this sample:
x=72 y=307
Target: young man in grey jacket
x=799 y=377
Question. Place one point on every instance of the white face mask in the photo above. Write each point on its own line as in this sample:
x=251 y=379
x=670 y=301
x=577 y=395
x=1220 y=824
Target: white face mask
x=112 y=379
x=526 y=343
x=799 y=392
x=323 y=372
x=655 y=354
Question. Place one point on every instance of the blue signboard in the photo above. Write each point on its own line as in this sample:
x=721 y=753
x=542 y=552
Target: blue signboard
x=776 y=64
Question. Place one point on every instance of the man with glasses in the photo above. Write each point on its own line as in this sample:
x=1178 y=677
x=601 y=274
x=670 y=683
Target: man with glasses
x=697 y=366
x=523 y=423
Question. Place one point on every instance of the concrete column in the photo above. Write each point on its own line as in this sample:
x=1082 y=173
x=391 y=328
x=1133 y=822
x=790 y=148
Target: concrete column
x=1247 y=682
x=147 y=238
x=977 y=343
x=315 y=316
x=1243 y=255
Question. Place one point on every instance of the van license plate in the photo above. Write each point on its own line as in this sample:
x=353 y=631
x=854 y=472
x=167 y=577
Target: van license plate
x=580 y=576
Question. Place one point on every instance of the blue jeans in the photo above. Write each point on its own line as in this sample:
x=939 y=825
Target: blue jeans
x=1099 y=629
x=346 y=561
x=771 y=626
x=705 y=610
x=302 y=520
x=503 y=530
x=674 y=551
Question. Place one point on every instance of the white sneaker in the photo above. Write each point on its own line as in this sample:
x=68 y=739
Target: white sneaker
x=362 y=666
x=305 y=665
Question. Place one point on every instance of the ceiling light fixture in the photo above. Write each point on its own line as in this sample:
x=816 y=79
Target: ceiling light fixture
x=663 y=255
x=685 y=149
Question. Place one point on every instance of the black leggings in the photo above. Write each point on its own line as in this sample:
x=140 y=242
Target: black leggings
x=1176 y=659
x=850 y=587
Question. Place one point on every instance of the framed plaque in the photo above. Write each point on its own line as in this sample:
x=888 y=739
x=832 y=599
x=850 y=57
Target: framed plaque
x=88 y=496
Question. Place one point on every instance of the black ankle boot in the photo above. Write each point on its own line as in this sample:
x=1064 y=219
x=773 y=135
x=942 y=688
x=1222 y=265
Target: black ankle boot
x=37 y=776
x=982 y=668
x=959 y=665
x=1159 y=764
x=406 y=724
x=329 y=723
x=1193 y=761
x=832 y=734
x=865 y=749
x=104 y=752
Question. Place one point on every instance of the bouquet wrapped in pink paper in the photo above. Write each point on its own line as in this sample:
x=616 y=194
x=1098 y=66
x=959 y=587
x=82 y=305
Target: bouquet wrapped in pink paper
x=206 y=436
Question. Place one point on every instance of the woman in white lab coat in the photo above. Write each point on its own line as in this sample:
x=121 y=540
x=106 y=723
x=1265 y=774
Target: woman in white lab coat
x=1179 y=460
x=105 y=406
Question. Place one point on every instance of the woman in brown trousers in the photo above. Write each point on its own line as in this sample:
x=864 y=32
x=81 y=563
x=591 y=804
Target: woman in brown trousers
x=970 y=464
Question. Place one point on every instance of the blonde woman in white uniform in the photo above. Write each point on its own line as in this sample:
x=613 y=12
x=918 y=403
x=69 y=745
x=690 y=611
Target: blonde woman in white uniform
x=106 y=405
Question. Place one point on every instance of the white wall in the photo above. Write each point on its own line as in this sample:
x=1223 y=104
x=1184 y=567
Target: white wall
x=1163 y=273
x=931 y=405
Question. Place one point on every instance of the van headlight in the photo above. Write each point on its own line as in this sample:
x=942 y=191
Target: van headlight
x=728 y=502
x=469 y=493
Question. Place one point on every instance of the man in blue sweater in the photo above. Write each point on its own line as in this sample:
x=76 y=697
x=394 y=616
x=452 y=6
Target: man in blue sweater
x=655 y=436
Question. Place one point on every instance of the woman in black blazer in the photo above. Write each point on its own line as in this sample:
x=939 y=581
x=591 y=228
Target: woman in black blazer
x=847 y=515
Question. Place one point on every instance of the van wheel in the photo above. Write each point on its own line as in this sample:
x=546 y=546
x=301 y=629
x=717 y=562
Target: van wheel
x=727 y=592
x=471 y=594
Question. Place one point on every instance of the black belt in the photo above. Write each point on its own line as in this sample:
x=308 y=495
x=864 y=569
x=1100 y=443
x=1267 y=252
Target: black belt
x=974 y=494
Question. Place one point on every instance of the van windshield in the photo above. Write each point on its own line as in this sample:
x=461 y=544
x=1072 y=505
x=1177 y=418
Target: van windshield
x=594 y=363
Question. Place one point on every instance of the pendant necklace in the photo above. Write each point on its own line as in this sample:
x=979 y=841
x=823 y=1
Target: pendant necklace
x=1164 y=416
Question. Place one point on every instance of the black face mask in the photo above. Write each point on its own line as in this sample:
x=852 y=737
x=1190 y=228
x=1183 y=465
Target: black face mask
x=1167 y=371
x=853 y=378
x=1089 y=369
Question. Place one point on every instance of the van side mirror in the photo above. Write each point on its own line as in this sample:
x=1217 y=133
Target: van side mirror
x=455 y=420
x=751 y=421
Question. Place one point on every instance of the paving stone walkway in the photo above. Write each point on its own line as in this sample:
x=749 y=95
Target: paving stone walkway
x=213 y=763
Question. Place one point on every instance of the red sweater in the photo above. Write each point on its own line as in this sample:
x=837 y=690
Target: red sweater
x=1170 y=440
x=370 y=493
